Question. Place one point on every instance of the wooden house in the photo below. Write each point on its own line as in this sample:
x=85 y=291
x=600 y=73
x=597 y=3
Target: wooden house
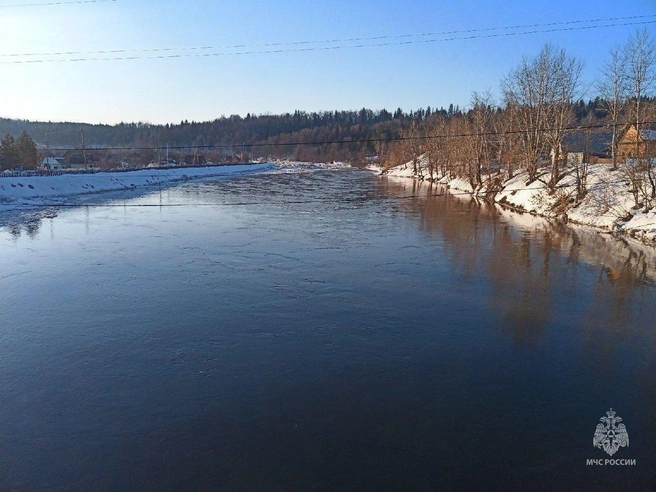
x=633 y=144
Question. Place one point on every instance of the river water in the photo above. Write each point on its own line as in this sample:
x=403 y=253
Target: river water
x=319 y=328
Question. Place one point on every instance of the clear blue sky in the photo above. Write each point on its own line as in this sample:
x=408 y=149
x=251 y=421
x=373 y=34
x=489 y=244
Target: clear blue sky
x=205 y=87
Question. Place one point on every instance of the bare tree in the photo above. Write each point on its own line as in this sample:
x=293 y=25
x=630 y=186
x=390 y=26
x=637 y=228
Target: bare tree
x=641 y=76
x=563 y=74
x=412 y=145
x=381 y=148
x=527 y=114
x=507 y=144
x=540 y=92
x=581 y=167
x=435 y=148
x=613 y=88
x=449 y=148
x=459 y=154
x=480 y=126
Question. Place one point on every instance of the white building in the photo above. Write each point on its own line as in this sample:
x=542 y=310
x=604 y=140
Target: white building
x=54 y=163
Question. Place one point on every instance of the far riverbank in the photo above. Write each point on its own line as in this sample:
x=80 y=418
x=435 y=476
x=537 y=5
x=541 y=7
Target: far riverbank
x=43 y=190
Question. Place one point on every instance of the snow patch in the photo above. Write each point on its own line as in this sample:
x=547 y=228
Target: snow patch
x=36 y=190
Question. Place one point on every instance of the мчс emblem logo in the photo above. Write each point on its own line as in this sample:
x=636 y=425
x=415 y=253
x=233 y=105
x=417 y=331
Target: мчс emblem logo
x=610 y=434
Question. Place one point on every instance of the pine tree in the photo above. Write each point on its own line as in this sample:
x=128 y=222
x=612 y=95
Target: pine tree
x=9 y=156
x=27 y=150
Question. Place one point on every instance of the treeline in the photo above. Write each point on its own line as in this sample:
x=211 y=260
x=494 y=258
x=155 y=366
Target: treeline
x=265 y=135
x=296 y=135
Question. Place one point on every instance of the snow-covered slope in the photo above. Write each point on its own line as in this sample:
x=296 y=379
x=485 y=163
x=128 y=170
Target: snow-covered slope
x=40 y=189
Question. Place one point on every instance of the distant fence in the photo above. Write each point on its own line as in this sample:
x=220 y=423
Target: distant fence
x=27 y=174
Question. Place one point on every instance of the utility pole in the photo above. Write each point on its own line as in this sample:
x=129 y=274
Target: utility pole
x=84 y=153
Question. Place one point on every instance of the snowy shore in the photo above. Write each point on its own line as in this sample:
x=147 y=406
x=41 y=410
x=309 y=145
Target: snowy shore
x=625 y=258
x=40 y=190
x=606 y=206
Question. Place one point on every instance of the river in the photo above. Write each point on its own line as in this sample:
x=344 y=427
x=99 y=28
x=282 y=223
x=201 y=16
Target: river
x=319 y=328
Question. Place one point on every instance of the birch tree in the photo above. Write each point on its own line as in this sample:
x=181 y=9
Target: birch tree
x=540 y=92
x=613 y=88
x=507 y=144
x=480 y=125
x=641 y=73
x=563 y=74
x=435 y=147
x=641 y=76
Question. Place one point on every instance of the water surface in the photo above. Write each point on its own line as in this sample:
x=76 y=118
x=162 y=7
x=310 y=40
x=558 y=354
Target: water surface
x=318 y=329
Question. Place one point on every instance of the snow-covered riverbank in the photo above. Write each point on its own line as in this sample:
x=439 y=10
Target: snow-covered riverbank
x=40 y=190
x=607 y=204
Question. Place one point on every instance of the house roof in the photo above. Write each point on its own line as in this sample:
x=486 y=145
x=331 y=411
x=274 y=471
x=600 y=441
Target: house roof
x=54 y=160
x=592 y=143
x=648 y=134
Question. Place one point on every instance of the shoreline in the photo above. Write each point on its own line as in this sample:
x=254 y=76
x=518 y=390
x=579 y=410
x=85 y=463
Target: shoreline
x=38 y=191
x=607 y=206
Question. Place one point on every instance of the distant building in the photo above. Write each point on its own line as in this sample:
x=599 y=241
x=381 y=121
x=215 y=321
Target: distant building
x=77 y=161
x=592 y=148
x=632 y=142
x=575 y=158
x=80 y=160
x=54 y=163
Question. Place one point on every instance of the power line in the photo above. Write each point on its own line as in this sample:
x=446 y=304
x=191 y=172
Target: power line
x=49 y=4
x=360 y=141
x=318 y=48
x=326 y=41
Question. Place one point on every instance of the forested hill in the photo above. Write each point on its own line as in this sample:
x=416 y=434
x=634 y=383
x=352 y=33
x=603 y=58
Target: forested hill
x=234 y=133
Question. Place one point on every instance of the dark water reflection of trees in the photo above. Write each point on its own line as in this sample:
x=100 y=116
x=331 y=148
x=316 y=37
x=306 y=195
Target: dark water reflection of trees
x=29 y=227
x=26 y=221
x=533 y=266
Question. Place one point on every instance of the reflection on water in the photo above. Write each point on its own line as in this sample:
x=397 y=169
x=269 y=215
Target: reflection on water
x=516 y=250
x=321 y=329
x=624 y=261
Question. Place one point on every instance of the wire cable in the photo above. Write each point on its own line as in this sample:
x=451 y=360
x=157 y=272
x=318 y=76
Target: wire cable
x=327 y=41
x=321 y=48
x=50 y=4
